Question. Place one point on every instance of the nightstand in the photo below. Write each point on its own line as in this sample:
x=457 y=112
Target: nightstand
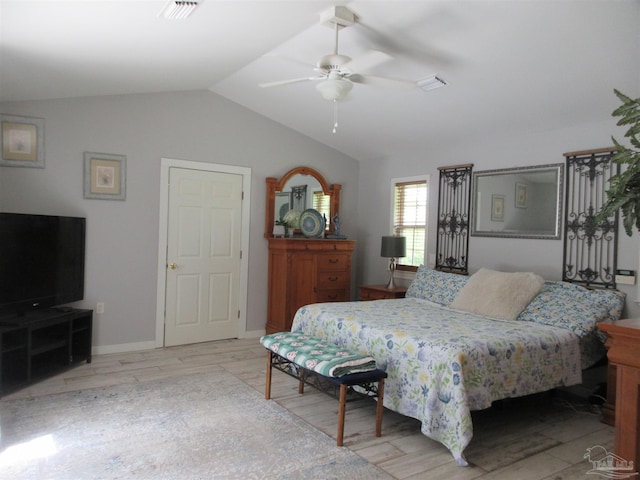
x=623 y=343
x=380 y=292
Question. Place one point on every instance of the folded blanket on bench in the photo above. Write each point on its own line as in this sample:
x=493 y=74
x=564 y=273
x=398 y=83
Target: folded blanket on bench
x=315 y=355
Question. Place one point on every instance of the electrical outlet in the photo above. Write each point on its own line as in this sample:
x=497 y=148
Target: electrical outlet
x=100 y=307
x=626 y=277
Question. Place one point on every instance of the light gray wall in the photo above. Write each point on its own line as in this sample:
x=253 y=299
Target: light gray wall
x=499 y=151
x=122 y=236
x=542 y=142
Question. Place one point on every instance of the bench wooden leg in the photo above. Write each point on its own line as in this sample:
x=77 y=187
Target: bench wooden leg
x=301 y=374
x=267 y=388
x=341 y=411
x=301 y=381
x=380 y=407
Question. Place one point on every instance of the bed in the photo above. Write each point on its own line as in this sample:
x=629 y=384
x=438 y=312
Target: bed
x=456 y=344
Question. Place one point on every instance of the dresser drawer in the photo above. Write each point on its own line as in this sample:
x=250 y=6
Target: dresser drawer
x=335 y=279
x=334 y=261
x=339 y=295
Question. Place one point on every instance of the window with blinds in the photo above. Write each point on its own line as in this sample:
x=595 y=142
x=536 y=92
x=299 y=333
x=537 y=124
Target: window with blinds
x=410 y=219
x=321 y=203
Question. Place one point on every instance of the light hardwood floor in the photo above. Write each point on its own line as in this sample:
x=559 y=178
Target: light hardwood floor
x=540 y=437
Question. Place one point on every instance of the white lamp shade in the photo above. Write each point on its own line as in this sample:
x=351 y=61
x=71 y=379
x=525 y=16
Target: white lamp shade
x=334 y=88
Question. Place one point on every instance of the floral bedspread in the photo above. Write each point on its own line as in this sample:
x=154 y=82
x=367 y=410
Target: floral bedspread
x=443 y=363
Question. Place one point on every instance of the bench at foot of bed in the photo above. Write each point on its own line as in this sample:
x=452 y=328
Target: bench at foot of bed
x=325 y=366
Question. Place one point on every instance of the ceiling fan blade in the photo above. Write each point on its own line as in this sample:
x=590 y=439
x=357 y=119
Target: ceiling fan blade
x=287 y=82
x=383 y=81
x=369 y=60
x=403 y=45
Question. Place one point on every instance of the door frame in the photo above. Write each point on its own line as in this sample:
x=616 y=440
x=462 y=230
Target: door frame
x=165 y=165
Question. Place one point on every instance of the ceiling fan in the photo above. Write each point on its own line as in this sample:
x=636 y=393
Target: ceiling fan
x=336 y=72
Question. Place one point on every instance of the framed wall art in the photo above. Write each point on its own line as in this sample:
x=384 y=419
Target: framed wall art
x=521 y=195
x=497 y=208
x=22 y=141
x=299 y=198
x=104 y=176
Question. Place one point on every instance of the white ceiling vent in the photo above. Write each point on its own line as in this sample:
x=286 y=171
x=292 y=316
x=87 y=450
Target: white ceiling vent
x=432 y=82
x=178 y=9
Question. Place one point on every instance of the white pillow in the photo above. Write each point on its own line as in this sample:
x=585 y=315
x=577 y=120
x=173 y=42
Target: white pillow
x=498 y=294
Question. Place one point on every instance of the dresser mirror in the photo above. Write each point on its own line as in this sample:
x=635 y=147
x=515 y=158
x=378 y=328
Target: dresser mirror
x=518 y=202
x=298 y=189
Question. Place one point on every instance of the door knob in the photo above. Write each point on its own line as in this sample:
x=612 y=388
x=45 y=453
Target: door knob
x=173 y=265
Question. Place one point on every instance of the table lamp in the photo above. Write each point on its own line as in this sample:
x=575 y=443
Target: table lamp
x=393 y=247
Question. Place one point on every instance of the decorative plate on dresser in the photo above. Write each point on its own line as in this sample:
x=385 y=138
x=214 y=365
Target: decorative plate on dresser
x=311 y=223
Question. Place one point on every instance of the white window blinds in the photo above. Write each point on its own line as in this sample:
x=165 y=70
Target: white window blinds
x=321 y=204
x=410 y=219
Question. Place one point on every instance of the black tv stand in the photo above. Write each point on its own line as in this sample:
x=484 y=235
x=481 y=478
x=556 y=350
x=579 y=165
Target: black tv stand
x=41 y=344
x=62 y=309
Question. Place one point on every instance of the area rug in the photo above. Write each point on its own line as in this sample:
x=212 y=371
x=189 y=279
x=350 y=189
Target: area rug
x=206 y=426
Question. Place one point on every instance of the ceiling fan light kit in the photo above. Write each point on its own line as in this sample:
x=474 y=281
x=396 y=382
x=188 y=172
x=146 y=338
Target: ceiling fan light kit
x=178 y=9
x=334 y=88
x=338 y=73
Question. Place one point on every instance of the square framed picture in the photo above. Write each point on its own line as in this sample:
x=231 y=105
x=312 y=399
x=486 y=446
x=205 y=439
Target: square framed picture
x=22 y=141
x=497 y=208
x=521 y=195
x=104 y=176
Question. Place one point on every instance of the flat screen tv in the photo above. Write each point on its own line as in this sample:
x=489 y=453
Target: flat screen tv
x=41 y=262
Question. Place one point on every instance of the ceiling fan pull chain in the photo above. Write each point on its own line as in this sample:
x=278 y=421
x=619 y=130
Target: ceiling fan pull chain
x=335 y=116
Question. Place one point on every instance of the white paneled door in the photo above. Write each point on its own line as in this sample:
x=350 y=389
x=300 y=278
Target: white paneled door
x=203 y=256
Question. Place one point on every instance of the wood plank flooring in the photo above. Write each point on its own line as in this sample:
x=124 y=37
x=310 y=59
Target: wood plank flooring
x=536 y=438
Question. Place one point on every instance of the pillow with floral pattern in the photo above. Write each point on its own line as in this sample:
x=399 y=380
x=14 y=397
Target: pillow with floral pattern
x=573 y=307
x=436 y=286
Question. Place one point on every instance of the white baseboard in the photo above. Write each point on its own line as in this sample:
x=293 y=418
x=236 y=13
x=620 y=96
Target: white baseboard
x=253 y=334
x=124 y=347
x=135 y=347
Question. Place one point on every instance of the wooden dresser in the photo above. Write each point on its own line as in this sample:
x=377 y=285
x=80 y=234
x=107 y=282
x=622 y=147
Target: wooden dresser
x=304 y=271
x=623 y=345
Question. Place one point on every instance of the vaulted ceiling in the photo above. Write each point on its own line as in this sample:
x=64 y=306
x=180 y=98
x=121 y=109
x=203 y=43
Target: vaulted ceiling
x=511 y=65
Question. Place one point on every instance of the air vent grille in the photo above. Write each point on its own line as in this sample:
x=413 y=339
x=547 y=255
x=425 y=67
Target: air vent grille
x=178 y=9
x=432 y=82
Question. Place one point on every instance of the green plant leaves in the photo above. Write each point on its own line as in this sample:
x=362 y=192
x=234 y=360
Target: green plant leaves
x=624 y=191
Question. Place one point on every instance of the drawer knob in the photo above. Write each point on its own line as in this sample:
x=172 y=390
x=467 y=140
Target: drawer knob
x=334 y=260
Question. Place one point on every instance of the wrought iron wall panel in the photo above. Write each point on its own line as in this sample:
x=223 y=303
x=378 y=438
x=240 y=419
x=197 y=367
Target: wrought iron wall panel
x=454 y=201
x=590 y=247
